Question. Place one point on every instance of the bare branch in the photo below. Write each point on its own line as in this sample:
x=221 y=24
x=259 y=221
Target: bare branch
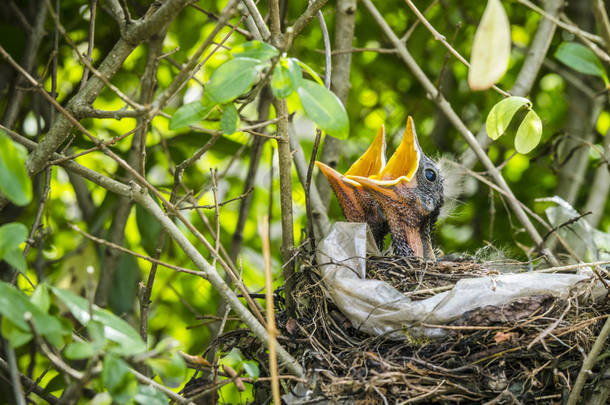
x=135 y=34
x=306 y=17
x=603 y=23
x=258 y=19
x=136 y=254
x=285 y=163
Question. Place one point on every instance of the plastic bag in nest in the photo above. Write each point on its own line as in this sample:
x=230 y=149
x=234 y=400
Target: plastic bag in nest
x=377 y=308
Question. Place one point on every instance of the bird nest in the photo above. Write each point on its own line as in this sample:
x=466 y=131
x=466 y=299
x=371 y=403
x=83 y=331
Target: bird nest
x=530 y=350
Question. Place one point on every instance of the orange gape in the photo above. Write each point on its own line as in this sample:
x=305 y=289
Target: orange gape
x=405 y=194
x=357 y=204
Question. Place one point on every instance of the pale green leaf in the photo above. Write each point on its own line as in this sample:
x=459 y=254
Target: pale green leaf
x=15 y=183
x=491 y=47
x=115 y=329
x=16 y=336
x=15 y=259
x=40 y=297
x=287 y=77
x=581 y=59
x=171 y=370
x=118 y=380
x=103 y=398
x=502 y=114
x=529 y=133
x=324 y=108
x=229 y=120
x=309 y=70
x=232 y=79
x=191 y=113
x=281 y=85
x=251 y=369
x=233 y=359
x=148 y=395
x=11 y=236
x=79 y=350
x=14 y=304
x=256 y=50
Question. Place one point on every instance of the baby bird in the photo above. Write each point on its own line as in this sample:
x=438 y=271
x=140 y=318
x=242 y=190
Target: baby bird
x=409 y=190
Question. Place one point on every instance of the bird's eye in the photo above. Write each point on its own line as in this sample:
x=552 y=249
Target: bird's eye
x=430 y=174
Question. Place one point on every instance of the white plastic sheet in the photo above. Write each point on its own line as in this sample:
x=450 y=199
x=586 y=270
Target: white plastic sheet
x=377 y=308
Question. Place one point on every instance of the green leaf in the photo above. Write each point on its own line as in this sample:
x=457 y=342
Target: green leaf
x=119 y=381
x=15 y=258
x=124 y=284
x=15 y=183
x=502 y=114
x=79 y=350
x=324 y=108
x=14 y=304
x=11 y=236
x=96 y=333
x=581 y=59
x=103 y=398
x=285 y=79
x=232 y=79
x=57 y=383
x=529 y=133
x=16 y=336
x=171 y=371
x=191 y=113
x=251 y=368
x=295 y=72
x=255 y=50
x=115 y=329
x=148 y=227
x=148 y=395
x=233 y=359
x=229 y=120
x=40 y=297
x=309 y=70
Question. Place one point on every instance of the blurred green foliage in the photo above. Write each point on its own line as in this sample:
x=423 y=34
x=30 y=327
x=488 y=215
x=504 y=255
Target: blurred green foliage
x=383 y=91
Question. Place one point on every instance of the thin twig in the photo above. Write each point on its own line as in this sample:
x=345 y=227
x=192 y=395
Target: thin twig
x=220 y=204
x=263 y=230
x=92 y=15
x=588 y=364
x=136 y=254
x=258 y=19
x=14 y=373
x=441 y=38
x=285 y=166
x=31 y=385
x=316 y=144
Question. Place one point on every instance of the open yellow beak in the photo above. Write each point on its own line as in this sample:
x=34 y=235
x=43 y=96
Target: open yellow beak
x=401 y=167
x=369 y=164
x=373 y=160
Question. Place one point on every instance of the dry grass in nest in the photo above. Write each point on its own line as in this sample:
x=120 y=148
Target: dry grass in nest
x=528 y=351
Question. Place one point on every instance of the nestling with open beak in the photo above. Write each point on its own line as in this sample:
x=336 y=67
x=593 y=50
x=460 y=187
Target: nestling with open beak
x=409 y=190
x=357 y=204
